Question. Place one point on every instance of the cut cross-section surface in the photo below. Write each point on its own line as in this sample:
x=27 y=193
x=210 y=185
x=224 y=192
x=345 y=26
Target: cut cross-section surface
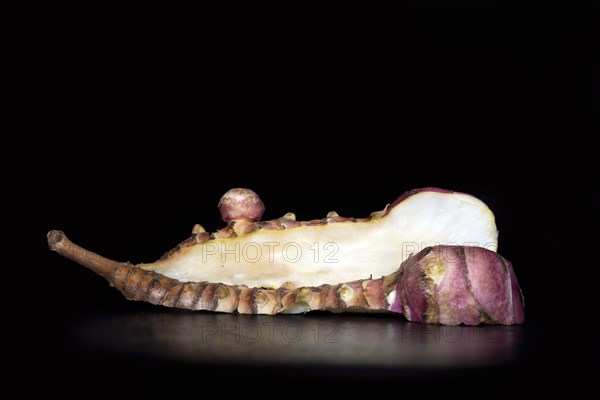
x=334 y=249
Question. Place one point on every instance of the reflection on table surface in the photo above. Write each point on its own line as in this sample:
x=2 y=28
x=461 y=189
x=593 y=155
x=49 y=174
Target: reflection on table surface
x=299 y=340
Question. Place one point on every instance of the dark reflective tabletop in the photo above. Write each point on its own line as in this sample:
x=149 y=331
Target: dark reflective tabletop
x=320 y=340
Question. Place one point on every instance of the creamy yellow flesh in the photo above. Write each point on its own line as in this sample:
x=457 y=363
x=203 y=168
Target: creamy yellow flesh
x=337 y=252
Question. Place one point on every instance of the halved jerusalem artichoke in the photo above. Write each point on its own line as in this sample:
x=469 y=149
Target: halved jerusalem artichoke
x=430 y=255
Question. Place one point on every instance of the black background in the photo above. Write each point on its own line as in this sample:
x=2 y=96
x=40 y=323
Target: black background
x=145 y=132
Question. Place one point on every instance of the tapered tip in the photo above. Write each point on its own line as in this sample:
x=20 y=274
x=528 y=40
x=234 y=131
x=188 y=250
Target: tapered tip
x=54 y=239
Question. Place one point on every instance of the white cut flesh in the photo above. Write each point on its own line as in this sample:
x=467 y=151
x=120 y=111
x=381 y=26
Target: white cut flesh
x=336 y=252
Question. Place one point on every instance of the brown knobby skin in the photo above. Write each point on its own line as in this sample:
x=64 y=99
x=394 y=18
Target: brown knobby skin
x=445 y=284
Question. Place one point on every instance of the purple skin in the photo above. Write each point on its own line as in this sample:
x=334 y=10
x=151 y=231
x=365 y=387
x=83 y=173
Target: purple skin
x=241 y=204
x=454 y=285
